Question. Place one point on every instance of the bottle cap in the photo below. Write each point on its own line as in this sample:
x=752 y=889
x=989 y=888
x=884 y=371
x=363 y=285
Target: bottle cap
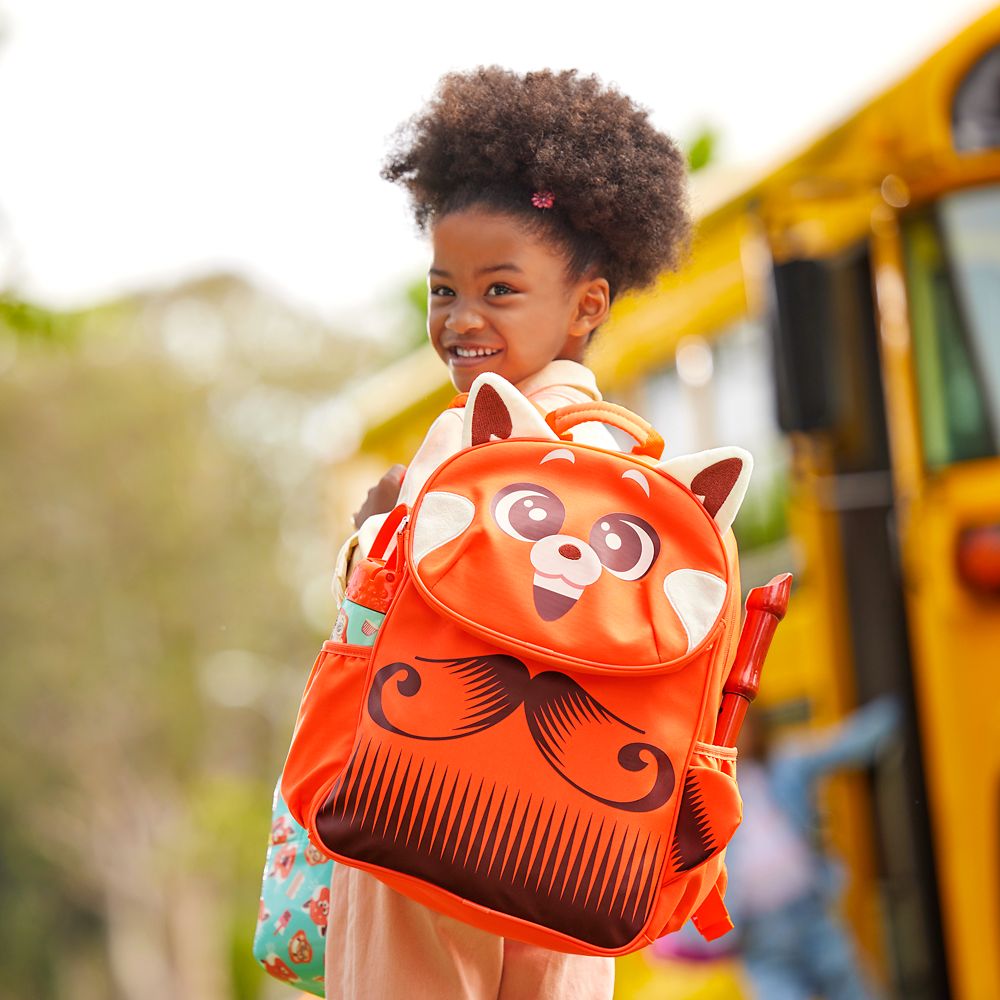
x=372 y=585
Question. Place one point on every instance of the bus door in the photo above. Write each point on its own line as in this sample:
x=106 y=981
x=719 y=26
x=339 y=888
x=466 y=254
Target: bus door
x=829 y=387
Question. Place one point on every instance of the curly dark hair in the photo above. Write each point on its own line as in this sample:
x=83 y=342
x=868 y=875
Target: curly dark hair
x=491 y=138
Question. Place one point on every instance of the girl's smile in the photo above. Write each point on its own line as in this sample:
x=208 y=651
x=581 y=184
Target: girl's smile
x=501 y=300
x=464 y=354
x=474 y=353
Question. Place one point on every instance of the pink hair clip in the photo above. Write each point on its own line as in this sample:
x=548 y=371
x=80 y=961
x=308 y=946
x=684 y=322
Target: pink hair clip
x=543 y=199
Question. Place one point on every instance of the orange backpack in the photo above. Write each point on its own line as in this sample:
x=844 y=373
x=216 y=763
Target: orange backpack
x=527 y=745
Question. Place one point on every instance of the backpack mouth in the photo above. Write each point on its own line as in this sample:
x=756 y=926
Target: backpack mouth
x=554 y=596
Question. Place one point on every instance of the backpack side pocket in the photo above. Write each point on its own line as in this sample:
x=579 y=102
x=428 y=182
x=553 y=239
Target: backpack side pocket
x=325 y=727
x=710 y=810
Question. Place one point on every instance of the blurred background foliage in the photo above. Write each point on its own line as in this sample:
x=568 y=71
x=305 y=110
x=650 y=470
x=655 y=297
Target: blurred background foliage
x=167 y=557
x=701 y=150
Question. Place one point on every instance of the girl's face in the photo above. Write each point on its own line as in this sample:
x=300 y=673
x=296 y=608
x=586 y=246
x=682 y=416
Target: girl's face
x=500 y=300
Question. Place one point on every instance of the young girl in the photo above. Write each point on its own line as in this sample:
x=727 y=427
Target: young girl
x=546 y=196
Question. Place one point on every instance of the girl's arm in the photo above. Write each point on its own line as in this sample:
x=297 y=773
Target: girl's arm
x=856 y=742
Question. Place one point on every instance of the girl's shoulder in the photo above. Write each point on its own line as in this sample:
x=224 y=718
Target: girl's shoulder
x=562 y=381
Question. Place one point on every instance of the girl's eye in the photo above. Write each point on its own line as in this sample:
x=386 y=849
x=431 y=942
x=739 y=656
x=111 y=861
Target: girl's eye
x=441 y=290
x=499 y=288
x=527 y=512
x=625 y=544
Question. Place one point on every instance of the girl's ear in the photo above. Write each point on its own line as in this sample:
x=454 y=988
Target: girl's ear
x=593 y=306
x=495 y=411
x=718 y=478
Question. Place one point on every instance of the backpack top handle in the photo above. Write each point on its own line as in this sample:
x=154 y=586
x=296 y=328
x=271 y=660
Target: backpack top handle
x=648 y=441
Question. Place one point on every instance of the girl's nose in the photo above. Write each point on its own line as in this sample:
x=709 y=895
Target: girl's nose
x=463 y=319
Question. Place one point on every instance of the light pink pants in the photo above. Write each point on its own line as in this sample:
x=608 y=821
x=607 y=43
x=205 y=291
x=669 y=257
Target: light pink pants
x=382 y=946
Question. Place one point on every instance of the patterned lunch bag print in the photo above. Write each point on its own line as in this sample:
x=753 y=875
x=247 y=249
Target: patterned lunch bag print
x=295 y=870
x=527 y=746
x=294 y=904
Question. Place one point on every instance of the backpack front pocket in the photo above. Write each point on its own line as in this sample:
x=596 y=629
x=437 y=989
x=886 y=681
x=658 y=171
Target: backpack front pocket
x=542 y=797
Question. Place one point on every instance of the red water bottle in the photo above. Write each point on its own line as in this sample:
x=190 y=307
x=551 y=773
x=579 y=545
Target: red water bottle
x=372 y=586
x=766 y=607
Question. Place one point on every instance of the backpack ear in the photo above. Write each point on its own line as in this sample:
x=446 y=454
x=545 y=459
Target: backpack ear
x=718 y=478
x=443 y=439
x=496 y=411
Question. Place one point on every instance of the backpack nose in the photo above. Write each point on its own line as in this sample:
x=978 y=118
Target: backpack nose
x=566 y=556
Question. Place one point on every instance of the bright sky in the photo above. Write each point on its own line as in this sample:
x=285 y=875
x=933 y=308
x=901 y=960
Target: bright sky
x=144 y=141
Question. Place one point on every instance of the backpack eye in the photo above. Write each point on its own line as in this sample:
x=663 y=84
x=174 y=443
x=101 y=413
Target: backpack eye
x=527 y=512
x=625 y=544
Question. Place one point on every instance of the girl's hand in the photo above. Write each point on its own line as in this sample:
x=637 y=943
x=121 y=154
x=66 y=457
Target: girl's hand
x=382 y=496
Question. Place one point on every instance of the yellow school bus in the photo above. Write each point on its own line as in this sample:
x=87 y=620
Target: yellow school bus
x=840 y=317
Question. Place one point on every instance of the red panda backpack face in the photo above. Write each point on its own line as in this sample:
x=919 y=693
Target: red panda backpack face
x=526 y=746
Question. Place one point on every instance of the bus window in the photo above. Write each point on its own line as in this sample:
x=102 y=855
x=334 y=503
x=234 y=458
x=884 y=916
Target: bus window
x=671 y=406
x=976 y=112
x=952 y=254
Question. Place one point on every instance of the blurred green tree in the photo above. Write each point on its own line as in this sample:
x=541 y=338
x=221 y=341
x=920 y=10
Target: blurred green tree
x=155 y=643
x=413 y=323
x=702 y=149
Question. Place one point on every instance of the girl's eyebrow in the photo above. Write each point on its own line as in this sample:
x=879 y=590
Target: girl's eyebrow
x=509 y=266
